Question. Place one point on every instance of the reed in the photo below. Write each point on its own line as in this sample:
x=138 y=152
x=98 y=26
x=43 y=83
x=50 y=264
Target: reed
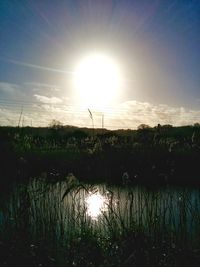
x=138 y=225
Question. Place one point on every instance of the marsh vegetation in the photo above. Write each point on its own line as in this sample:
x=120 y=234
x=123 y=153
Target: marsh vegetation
x=55 y=224
x=159 y=155
x=70 y=197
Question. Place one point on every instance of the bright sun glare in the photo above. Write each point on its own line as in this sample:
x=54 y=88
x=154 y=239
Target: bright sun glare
x=97 y=81
x=96 y=204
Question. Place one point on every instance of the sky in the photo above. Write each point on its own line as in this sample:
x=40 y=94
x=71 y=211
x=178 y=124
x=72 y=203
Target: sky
x=156 y=43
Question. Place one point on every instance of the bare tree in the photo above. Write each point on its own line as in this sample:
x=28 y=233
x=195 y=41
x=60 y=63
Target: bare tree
x=55 y=124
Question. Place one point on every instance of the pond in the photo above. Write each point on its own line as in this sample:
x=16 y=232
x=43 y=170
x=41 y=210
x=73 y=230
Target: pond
x=62 y=211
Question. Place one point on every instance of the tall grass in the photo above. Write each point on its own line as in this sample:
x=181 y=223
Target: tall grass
x=135 y=221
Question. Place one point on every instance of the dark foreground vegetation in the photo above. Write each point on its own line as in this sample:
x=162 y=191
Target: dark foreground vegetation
x=42 y=222
x=163 y=154
x=47 y=224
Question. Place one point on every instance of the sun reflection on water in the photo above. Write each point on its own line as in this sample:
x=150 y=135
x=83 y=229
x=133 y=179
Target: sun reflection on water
x=96 y=204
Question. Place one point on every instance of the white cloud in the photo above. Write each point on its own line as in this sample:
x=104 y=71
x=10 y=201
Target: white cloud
x=128 y=114
x=133 y=113
x=48 y=100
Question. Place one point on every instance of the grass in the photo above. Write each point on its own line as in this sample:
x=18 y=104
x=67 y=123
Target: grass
x=44 y=220
x=150 y=156
x=46 y=223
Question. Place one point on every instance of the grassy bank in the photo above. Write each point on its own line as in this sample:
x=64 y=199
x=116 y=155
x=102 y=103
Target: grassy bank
x=163 y=154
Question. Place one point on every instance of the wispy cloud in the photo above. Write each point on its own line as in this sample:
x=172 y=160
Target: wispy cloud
x=132 y=113
x=35 y=86
x=7 y=89
x=40 y=109
x=48 y=100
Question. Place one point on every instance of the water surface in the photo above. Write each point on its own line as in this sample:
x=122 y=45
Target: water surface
x=61 y=210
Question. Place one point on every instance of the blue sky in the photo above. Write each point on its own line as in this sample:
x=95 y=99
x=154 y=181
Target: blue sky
x=156 y=42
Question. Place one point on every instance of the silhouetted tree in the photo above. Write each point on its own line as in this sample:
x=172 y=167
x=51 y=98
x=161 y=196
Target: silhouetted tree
x=55 y=124
x=143 y=126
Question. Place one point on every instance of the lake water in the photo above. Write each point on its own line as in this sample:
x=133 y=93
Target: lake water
x=60 y=210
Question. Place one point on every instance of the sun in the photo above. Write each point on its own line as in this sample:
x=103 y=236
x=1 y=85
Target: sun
x=97 y=81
